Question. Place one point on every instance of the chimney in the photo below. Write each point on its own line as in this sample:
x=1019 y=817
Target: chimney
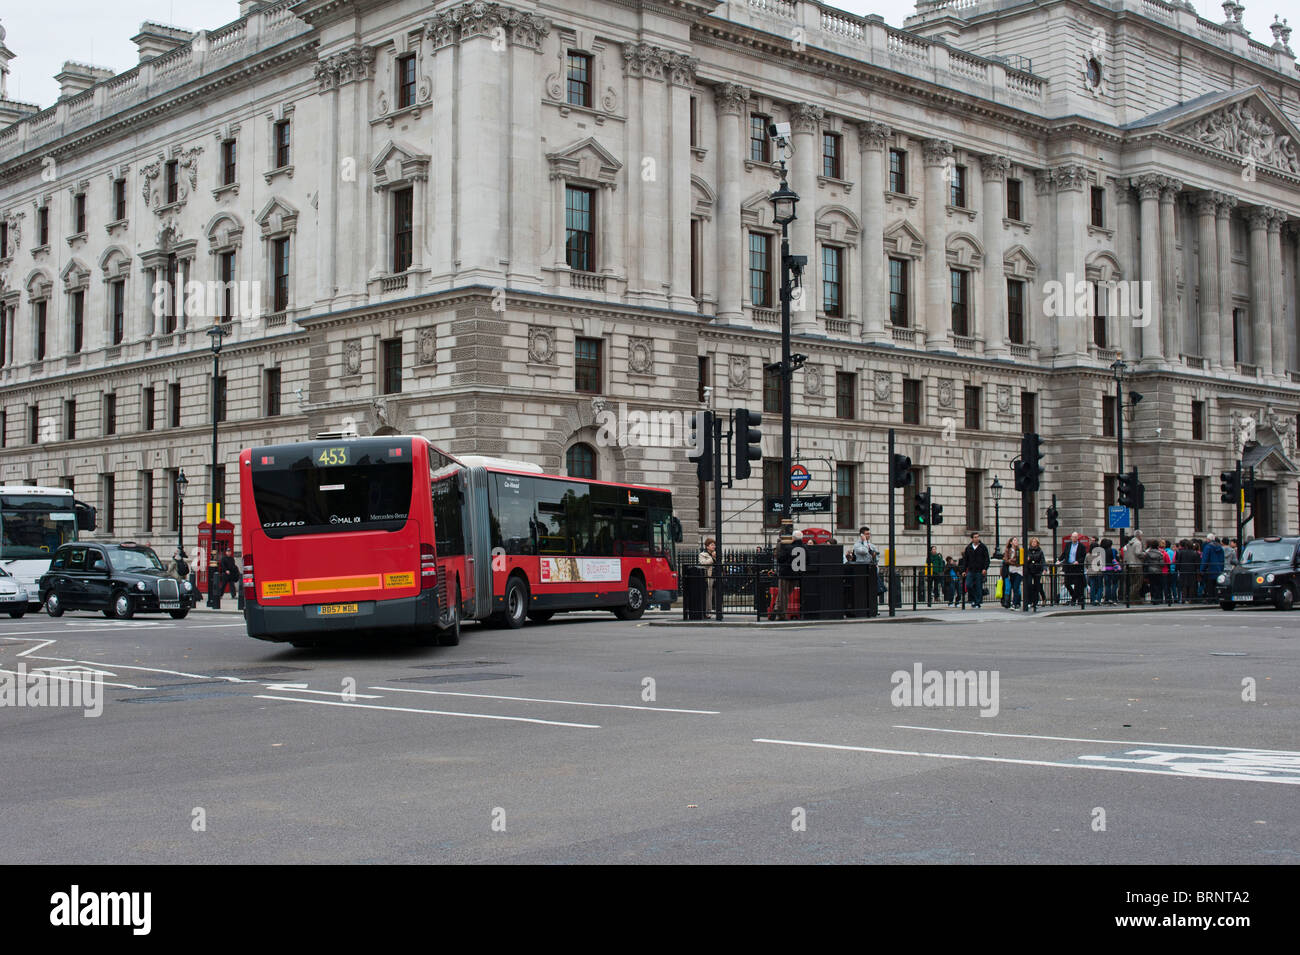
x=155 y=39
x=76 y=78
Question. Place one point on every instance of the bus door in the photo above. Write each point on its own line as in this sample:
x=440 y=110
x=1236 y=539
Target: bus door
x=478 y=539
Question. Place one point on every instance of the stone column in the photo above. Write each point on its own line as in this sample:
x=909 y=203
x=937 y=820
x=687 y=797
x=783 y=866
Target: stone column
x=993 y=171
x=934 y=312
x=1148 y=188
x=481 y=146
x=681 y=76
x=525 y=232
x=1223 y=247
x=1169 y=270
x=1278 y=313
x=874 y=283
x=731 y=100
x=442 y=242
x=1127 y=334
x=1260 y=289
x=1208 y=261
x=329 y=234
x=1073 y=333
x=805 y=123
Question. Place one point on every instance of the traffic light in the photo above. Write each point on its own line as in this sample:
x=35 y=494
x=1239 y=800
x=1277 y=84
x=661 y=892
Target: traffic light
x=1229 y=488
x=900 y=474
x=922 y=507
x=701 y=451
x=748 y=440
x=1018 y=469
x=936 y=513
x=1031 y=452
x=1053 y=518
x=1129 y=490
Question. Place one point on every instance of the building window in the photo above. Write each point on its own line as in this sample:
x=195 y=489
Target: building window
x=33 y=425
x=579 y=79
x=846 y=502
x=1198 y=423
x=281 y=137
x=117 y=308
x=1200 y=489
x=174 y=404
x=701 y=376
x=912 y=517
x=70 y=419
x=78 y=320
x=960 y=302
x=226 y=271
x=4 y=429
x=831 y=156
x=898 y=171
x=227 y=162
x=170 y=294
x=832 y=269
x=1238 y=330
x=697 y=260
x=1028 y=411
x=772 y=489
x=898 y=283
x=1016 y=311
x=147 y=400
x=1108 y=416
x=911 y=401
x=280 y=274
x=580 y=462
x=219 y=402
x=405 y=81
x=172 y=180
x=110 y=414
x=846 y=387
x=108 y=483
x=272 y=389
x=759 y=145
x=403 y=228
x=4 y=240
x=760 y=270
x=974 y=500
x=580 y=233
x=587 y=372
x=1098 y=316
x=695 y=111
x=79 y=213
x=772 y=390
x=392 y=352
x=119 y=200
x=41 y=309
x=43 y=226
x=146 y=501
x=973 y=398
x=957 y=187
x=1014 y=210
x=1098 y=207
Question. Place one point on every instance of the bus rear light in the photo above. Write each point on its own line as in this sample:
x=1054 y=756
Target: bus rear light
x=428 y=567
x=248 y=573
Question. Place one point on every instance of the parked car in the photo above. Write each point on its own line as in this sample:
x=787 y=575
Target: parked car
x=1269 y=572
x=13 y=595
x=120 y=580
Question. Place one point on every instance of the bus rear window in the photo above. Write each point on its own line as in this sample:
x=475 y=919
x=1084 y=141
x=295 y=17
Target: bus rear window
x=299 y=496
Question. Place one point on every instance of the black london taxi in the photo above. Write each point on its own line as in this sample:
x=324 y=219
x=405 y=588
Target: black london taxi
x=1269 y=572
x=119 y=579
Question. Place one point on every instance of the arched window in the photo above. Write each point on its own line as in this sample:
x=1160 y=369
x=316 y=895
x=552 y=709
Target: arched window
x=580 y=461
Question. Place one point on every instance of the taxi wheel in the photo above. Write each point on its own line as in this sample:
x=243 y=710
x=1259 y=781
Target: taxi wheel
x=178 y=614
x=1227 y=605
x=1285 y=599
x=16 y=613
x=123 y=606
x=52 y=605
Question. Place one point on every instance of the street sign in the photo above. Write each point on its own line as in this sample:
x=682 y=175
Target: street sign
x=1118 y=516
x=799 y=477
x=809 y=504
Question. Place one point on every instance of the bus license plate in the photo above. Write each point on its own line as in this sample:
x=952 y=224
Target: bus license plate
x=170 y=604
x=329 y=609
x=1242 y=598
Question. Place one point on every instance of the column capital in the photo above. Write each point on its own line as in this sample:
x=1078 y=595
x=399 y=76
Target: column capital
x=731 y=97
x=1259 y=218
x=806 y=118
x=1224 y=204
x=936 y=151
x=1148 y=185
x=1043 y=182
x=1170 y=188
x=653 y=62
x=1205 y=203
x=994 y=167
x=347 y=66
x=1277 y=219
x=873 y=135
x=1071 y=177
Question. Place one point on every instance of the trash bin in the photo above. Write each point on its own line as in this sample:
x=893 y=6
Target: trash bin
x=695 y=587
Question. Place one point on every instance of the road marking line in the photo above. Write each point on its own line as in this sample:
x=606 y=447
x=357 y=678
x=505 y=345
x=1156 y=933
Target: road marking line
x=302 y=688
x=30 y=639
x=1120 y=742
x=68 y=679
x=1029 y=762
x=193 y=676
x=528 y=699
x=406 y=709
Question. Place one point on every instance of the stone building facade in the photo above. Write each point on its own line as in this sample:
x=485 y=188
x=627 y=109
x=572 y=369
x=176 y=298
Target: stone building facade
x=505 y=225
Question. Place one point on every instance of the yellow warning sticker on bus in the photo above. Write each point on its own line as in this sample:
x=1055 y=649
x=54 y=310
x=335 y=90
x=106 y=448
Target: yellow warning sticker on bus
x=277 y=588
x=399 y=580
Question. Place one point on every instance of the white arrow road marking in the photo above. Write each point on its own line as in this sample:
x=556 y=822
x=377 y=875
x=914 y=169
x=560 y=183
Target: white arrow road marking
x=529 y=699
x=404 y=709
x=302 y=688
x=40 y=644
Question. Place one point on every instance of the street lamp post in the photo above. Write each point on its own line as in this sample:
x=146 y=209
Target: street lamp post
x=1118 y=368
x=217 y=332
x=181 y=484
x=784 y=201
x=996 y=489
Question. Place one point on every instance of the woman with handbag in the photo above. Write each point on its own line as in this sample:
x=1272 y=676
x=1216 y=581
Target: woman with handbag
x=1013 y=566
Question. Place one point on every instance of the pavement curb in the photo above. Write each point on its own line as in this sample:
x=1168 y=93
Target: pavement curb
x=779 y=624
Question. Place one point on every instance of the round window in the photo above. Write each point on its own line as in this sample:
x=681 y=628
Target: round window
x=1094 y=72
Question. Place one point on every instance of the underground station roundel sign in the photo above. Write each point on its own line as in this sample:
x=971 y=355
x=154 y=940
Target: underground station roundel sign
x=799 y=477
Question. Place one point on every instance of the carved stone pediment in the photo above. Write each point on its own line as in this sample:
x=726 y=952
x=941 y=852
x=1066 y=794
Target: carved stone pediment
x=1249 y=132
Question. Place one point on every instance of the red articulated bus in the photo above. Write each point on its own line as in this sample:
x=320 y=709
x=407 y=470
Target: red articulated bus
x=391 y=533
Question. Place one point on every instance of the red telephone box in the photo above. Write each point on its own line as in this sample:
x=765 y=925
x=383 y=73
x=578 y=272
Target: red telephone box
x=225 y=545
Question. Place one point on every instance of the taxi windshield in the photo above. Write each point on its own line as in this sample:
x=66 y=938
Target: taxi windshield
x=142 y=558
x=1267 y=552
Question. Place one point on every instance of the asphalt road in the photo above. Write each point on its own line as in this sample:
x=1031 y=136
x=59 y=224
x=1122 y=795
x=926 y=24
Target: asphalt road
x=1116 y=739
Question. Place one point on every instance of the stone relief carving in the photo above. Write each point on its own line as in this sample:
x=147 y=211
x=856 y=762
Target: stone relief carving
x=478 y=18
x=348 y=66
x=812 y=381
x=945 y=392
x=738 y=371
x=1004 y=399
x=15 y=220
x=884 y=386
x=426 y=347
x=1245 y=132
x=352 y=357
x=641 y=356
x=187 y=162
x=541 y=345
x=1243 y=432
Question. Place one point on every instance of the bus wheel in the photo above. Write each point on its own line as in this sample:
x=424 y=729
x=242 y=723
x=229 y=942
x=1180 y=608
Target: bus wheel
x=540 y=616
x=449 y=631
x=636 y=601
x=52 y=605
x=516 y=603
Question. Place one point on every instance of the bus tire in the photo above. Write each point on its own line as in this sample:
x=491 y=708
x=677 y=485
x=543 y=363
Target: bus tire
x=636 y=601
x=449 y=636
x=52 y=605
x=516 y=600
x=540 y=616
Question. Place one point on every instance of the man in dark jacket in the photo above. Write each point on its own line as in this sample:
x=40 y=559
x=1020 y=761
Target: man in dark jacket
x=1073 y=556
x=1212 y=563
x=1188 y=562
x=976 y=556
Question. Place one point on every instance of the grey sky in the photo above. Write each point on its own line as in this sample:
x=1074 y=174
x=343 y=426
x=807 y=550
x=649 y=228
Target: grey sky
x=99 y=31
